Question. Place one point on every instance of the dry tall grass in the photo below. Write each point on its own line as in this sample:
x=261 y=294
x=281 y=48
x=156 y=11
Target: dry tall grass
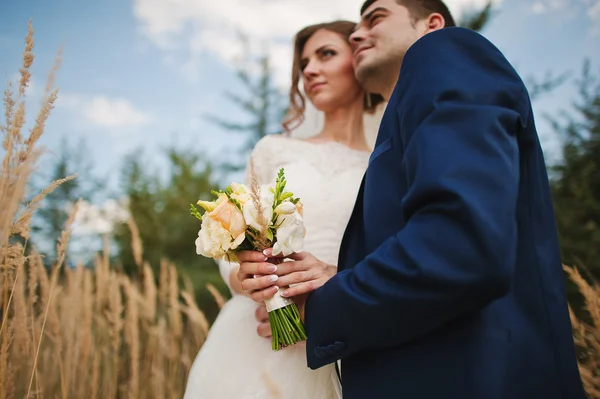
x=587 y=335
x=80 y=333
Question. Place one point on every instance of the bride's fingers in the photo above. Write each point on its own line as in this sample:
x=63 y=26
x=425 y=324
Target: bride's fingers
x=295 y=256
x=258 y=283
x=256 y=268
x=264 y=330
x=261 y=314
x=251 y=256
x=263 y=295
x=295 y=278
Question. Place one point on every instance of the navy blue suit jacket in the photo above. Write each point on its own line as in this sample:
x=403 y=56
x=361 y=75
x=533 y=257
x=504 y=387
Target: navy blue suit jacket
x=450 y=282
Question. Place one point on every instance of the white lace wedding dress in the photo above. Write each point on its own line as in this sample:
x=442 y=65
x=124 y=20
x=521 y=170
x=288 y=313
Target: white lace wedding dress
x=234 y=362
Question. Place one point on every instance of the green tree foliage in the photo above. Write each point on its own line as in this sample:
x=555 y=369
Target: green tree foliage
x=262 y=102
x=159 y=203
x=576 y=178
x=50 y=219
x=477 y=20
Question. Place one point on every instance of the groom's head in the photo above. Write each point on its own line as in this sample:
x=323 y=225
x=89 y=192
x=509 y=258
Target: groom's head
x=386 y=30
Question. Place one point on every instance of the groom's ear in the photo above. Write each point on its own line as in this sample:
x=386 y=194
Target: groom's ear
x=435 y=21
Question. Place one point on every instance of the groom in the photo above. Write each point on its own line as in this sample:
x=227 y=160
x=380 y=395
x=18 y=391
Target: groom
x=449 y=280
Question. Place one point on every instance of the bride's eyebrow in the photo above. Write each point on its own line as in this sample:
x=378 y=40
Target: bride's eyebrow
x=320 y=50
x=325 y=47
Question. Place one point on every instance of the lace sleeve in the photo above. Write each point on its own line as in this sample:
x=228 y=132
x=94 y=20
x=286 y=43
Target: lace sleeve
x=262 y=169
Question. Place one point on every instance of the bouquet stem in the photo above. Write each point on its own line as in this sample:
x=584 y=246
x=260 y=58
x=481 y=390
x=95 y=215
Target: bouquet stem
x=286 y=326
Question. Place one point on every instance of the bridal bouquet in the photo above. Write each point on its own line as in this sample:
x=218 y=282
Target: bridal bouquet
x=255 y=218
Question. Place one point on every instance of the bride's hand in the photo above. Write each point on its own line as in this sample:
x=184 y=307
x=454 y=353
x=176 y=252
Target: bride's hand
x=264 y=328
x=305 y=272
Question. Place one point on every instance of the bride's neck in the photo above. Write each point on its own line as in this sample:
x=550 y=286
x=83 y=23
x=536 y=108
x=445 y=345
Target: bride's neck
x=345 y=125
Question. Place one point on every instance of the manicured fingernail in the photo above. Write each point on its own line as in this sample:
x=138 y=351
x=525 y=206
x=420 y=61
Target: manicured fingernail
x=268 y=252
x=273 y=278
x=284 y=293
x=272 y=268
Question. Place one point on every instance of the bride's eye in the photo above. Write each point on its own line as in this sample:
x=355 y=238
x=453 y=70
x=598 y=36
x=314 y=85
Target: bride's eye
x=328 y=53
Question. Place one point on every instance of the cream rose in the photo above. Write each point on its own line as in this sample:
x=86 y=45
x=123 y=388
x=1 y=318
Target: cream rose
x=230 y=218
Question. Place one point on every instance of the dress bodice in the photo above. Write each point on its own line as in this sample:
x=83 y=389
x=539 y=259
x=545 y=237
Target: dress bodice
x=325 y=176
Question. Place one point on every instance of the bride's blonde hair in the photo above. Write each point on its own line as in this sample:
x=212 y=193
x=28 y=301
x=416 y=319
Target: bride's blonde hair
x=297 y=107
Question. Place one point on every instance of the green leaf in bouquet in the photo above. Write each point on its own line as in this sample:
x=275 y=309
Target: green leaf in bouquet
x=194 y=211
x=286 y=195
x=270 y=234
x=234 y=201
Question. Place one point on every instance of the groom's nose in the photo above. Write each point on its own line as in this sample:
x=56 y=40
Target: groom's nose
x=357 y=37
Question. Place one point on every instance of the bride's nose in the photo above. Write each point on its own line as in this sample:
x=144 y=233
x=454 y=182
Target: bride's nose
x=312 y=69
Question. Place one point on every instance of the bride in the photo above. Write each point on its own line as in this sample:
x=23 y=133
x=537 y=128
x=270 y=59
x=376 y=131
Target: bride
x=324 y=168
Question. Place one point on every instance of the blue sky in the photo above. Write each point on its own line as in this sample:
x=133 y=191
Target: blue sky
x=141 y=73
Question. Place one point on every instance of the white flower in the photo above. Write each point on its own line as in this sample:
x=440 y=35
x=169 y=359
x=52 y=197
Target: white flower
x=213 y=239
x=240 y=192
x=290 y=234
x=251 y=212
x=285 y=208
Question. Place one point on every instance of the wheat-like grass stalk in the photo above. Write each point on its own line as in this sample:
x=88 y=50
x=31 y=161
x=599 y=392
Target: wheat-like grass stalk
x=136 y=243
x=61 y=249
x=260 y=240
x=587 y=335
x=77 y=332
x=219 y=299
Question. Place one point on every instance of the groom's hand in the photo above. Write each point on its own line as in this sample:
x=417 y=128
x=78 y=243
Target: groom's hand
x=304 y=273
x=261 y=287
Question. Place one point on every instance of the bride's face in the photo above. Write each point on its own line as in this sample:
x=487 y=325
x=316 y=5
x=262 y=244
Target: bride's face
x=328 y=73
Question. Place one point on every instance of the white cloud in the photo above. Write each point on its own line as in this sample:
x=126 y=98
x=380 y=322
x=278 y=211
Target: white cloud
x=195 y=27
x=99 y=219
x=569 y=9
x=114 y=113
x=105 y=112
x=543 y=6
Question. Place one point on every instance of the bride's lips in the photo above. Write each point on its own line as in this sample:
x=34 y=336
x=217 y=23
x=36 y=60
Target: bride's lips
x=316 y=86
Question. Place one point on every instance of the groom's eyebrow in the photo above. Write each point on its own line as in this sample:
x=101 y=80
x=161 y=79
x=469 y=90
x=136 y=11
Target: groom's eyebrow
x=368 y=16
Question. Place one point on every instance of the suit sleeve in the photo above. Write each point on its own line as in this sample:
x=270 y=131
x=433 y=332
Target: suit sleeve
x=459 y=120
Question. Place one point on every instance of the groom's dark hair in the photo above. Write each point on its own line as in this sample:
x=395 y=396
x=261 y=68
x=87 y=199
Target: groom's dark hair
x=420 y=9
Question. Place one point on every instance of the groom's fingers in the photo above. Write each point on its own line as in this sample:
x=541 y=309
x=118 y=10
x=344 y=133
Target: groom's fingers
x=298 y=255
x=295 y=278
x=288 y=267
x=303 y=288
